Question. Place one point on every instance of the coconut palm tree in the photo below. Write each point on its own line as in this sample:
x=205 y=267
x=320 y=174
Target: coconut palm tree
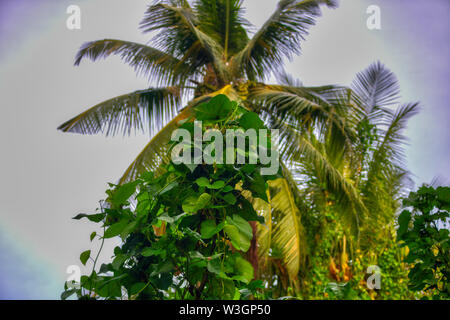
x=360 y=175
x=200 y=50
x=365 y=154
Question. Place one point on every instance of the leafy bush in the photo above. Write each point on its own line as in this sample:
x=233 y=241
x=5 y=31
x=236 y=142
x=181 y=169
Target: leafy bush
x=424 y=230
x=185 y=231
x=336 y=276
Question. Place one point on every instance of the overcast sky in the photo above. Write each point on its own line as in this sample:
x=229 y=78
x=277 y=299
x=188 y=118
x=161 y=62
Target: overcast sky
x=47 y=177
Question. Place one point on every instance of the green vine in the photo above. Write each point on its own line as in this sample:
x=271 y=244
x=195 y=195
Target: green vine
x=185 y=232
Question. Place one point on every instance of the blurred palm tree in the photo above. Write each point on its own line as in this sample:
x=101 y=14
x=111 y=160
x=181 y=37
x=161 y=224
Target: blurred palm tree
x=204 y=48
x=361 y=175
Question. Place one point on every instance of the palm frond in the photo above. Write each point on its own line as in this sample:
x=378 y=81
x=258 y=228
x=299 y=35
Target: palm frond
x=376 y=88
x=304 y=108
x=287 y=237
x=301 y=114
x=387 y=174
x=265 y=232
x=140 y=110
x=280 y=37
x=390 y=149
x=393 y=138
x=223 y=21
x=155 y=153
x=300 y=150
x=180 y=36
x=287 y=80
x=156 y=64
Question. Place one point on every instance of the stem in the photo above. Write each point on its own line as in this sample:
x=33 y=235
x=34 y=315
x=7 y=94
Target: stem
x=199 y=290
x=101 y=247
x=227 y=26
x=96 y=258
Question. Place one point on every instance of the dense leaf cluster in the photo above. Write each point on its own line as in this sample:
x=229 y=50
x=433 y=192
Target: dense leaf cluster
x=424 y=229
x=185 y=231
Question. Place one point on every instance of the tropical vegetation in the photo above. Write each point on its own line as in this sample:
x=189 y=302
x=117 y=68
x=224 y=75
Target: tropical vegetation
x=424 y=230
x=329 y=215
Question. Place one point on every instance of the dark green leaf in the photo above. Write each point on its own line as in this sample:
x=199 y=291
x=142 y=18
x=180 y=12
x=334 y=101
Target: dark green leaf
x=193 y=203
x=137 y=287
x=209 y=228
x=92 y=217
x=229 y=198
x=67 y=293
x=216 y=109
x=115 y=229
x=118 y=261
x=244 y=270
x=251 y=120
x=84 y=256
x=123 y=193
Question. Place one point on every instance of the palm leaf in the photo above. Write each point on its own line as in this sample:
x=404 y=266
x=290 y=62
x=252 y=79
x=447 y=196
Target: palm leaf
x=140 y=110
x=223 y=21
x=301 y=150
x=301 y=113
x=287 y=232
x=155 y=152
x=305 y=107
x=157 y=65
x=281 y=235
x=279 y=37
x=179 y=35
x=376 y=88
x=387 y=174
x=388 y=157
x=392 y=144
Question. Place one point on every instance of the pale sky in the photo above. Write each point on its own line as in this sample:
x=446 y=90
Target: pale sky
x=47 y=176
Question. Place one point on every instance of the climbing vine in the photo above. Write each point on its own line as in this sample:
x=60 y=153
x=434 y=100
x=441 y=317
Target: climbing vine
x=424 y=230
x=185 y=230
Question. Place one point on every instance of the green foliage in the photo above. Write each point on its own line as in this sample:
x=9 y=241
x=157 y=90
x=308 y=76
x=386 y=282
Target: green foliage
x=341 y=148
x=84 y=257
x=323 y=281
x=423 y=228
x=184 y=232
x=223 y=21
